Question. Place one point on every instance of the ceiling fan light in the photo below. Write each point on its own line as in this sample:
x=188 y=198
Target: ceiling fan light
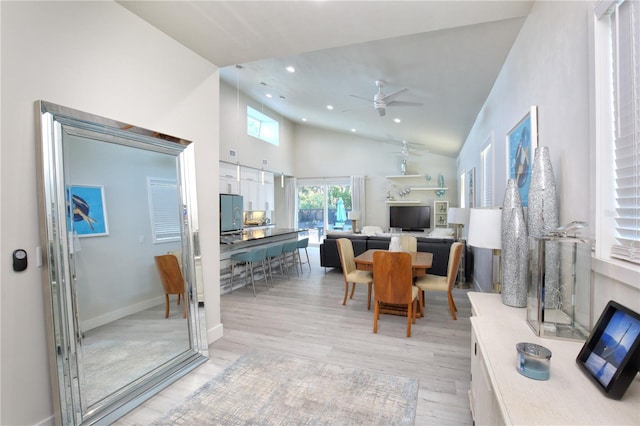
x=397 y=120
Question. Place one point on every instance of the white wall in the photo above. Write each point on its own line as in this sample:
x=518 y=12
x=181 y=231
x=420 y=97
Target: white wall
x=96 y=57
x=320 y=153
x=548 y=66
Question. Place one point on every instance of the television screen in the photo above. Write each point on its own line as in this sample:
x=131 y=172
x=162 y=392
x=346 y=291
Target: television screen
x=410 y=218
x=609 y=356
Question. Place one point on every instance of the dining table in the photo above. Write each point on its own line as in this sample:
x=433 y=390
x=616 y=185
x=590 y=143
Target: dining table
x=420 y=263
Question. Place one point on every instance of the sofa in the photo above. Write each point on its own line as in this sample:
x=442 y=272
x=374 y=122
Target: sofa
x=329 y=257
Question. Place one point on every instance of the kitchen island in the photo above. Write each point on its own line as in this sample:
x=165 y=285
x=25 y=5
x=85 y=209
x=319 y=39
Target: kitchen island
x=248 y=239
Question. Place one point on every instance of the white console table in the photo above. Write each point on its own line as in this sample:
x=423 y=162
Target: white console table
x=501 y=395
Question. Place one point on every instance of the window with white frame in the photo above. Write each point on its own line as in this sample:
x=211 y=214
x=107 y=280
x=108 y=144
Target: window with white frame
x=617 y=30
x=486 y=171
x=262 y=126
x=164 y=209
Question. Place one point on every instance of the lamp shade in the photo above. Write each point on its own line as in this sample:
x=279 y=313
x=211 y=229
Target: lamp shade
x=458 y=216
x=353 y=215
x=485 y=228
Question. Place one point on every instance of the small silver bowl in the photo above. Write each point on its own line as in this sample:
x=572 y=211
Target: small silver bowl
x=534 y=361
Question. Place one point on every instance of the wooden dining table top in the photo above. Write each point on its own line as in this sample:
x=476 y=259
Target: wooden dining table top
x=420 y=261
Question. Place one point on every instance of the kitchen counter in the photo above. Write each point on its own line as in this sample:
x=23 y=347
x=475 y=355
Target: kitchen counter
x=244 y=241
x=253 y=234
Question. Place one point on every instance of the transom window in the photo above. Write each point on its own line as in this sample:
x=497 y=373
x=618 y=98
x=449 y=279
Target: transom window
x=262 y=126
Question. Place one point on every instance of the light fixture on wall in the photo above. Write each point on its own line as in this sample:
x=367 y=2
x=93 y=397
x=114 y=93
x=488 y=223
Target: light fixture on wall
x=354 y=217
x=282 y=180
x=485 y=231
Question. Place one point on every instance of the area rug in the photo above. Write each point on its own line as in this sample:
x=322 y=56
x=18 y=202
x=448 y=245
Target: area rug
x=268 y=388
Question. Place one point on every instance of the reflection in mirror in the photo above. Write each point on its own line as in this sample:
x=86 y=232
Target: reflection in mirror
x=114 y=197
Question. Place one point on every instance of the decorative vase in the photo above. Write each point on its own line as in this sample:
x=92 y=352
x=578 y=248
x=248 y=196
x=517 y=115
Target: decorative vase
x=543 y=217
x=514 y=248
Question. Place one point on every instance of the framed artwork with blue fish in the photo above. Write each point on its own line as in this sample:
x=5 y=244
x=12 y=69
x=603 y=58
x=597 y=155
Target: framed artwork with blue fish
x=522 y=141
x=87 y=210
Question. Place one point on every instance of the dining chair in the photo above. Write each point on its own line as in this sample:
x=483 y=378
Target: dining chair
x=249 y=258
x=303 y=244
x=351 y=274
x=408 y=243
x=172 y=281
x=289 y=253
x=431 y=282
x=274 y=252
x=393 y=284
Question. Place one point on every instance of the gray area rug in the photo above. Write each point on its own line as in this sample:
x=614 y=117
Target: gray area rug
x=268 y=388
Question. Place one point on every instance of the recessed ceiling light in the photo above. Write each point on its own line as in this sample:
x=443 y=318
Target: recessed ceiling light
x=329 y=106
x=353 y=130
x=304 y=119
x=268 y=95
x=291 y=69
x=397 y=120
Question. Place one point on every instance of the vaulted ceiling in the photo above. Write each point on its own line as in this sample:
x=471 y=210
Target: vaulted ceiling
x=447 y=54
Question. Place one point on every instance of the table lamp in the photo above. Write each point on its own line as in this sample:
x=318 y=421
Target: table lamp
x=460 y=217
x=354 y=217
x=485 y=231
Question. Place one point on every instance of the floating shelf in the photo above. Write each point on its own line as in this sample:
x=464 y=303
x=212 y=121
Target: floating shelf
x=428 y=189
x=404 y=176
x=403 y=202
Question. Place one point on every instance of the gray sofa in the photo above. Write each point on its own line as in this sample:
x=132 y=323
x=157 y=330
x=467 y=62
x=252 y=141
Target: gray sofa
x=329 y=257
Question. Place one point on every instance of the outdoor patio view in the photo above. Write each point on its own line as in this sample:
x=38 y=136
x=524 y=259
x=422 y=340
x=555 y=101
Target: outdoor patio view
x=323 y=207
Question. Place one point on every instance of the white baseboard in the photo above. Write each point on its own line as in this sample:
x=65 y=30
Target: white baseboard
x=215 y=333
x=119 y=313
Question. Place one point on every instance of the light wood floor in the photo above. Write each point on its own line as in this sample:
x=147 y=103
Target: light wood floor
x=305 y=316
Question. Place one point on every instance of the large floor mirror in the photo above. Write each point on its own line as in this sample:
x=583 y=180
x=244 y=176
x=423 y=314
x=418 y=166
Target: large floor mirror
x=114 y=198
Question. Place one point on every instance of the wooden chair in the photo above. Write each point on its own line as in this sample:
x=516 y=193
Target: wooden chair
x=172 y=281
x=393 y=284
x=409 y=243
x=430 y=282
x=351 y=274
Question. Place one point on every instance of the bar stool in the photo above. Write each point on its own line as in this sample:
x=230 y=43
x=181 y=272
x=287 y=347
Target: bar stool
x=303 y=244
x=290 y=249
x=274 y=253
x=249 y=258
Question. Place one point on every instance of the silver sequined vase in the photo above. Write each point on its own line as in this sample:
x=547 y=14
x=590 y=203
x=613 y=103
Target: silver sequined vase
x=543 y=217
x=514 y=248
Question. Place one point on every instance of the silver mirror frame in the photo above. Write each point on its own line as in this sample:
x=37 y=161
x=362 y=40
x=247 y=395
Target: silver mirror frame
x=64 y=343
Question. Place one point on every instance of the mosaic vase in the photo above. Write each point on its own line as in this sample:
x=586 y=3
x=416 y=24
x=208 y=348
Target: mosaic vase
x=543 y=217
x=514 y=248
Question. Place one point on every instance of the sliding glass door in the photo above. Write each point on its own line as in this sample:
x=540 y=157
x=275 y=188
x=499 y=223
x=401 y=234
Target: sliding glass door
x=323 y=206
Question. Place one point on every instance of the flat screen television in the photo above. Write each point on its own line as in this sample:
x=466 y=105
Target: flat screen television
x=410 y=218
x=611 y=355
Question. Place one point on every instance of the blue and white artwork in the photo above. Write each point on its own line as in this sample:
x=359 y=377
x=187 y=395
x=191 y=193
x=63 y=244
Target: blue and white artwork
x=521 y=143
x=87 y=211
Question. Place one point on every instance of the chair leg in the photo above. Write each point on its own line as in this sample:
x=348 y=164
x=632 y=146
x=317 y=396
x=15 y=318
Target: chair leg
x=253 y=283
x=370 y=285
x=421 y=302
x=353 y=290
x=409 y=317
x=184 y=307
x=346 y=292
x=452 y=306
x=166 y=305
x=376 y=312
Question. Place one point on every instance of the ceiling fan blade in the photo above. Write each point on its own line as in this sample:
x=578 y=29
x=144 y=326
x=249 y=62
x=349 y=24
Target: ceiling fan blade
x=361 y=97
x=404 y=103
x=388 y=98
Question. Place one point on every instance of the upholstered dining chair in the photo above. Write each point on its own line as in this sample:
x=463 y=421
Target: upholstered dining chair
x=430 y=282
x=408 y=243
x=393 y=284
x=172 y=281
x=351 y=274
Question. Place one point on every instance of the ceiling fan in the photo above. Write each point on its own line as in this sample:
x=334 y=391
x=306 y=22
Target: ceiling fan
x=382 y=101
x=407 y=150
